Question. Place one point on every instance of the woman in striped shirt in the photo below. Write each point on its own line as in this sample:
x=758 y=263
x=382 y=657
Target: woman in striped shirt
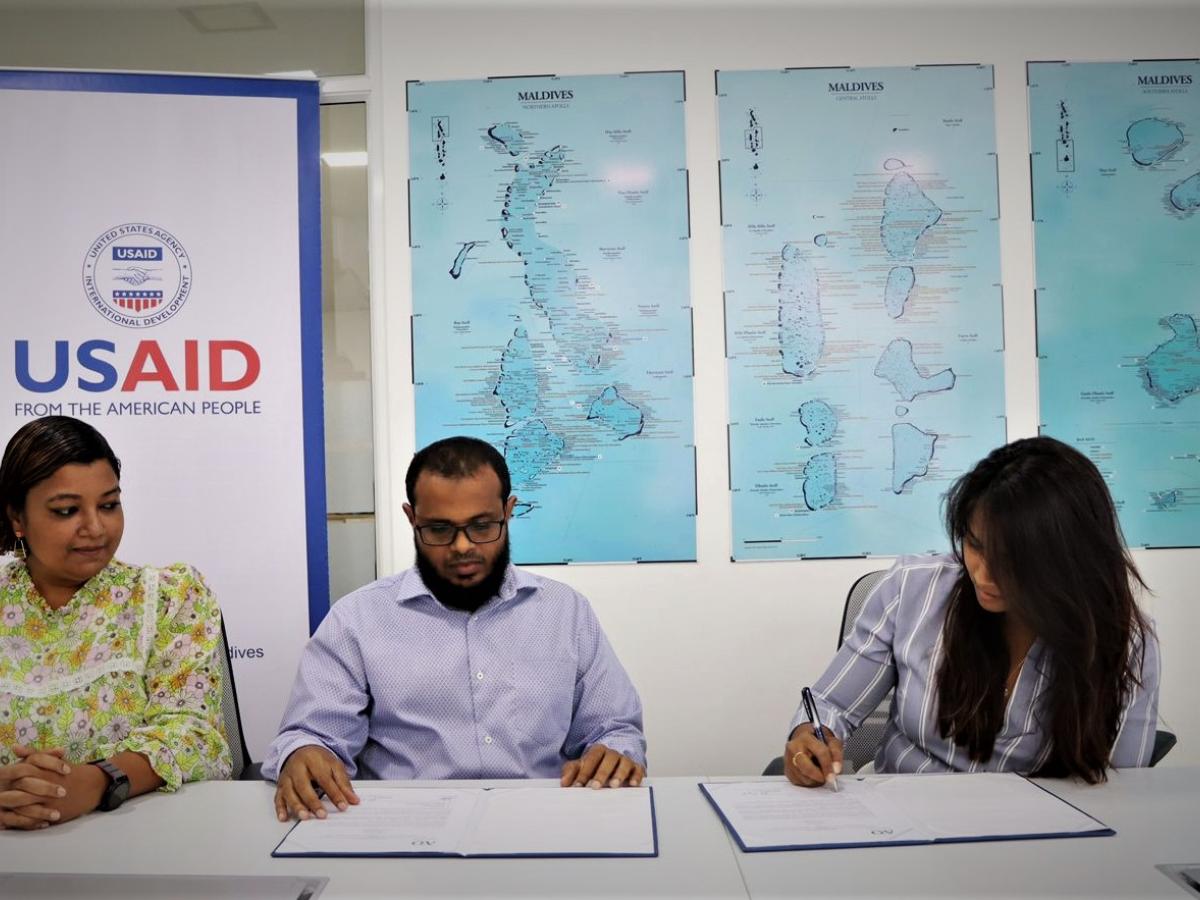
x=1023 y=650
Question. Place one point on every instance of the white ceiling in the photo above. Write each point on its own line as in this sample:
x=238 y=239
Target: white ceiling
x=322 y=36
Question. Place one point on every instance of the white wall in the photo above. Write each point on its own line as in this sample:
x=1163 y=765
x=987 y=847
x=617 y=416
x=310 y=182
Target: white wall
x=719 y=650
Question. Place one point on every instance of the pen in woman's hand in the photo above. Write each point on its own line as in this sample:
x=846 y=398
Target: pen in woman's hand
x=810 y=707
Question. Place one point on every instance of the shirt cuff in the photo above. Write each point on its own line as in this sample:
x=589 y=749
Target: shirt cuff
x=161 y=758
x=281 y=748
x=830 y=718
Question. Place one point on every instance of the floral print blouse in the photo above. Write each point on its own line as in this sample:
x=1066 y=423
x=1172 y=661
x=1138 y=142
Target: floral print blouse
x=129 y=663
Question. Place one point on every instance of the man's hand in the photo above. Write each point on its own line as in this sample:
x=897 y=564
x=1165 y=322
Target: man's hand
x=807 y=761
x=600 y=767
x=294 y=794
x=28 y=786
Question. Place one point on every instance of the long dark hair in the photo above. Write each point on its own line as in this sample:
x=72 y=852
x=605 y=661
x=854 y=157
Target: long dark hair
x=1053 y=546
x=38 y=450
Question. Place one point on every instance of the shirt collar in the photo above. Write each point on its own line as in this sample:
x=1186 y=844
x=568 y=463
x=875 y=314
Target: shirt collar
x=16 y=573
x=516 y=582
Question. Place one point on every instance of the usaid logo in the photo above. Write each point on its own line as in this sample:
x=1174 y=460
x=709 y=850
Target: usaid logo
x=137 y=275
x=138 y=254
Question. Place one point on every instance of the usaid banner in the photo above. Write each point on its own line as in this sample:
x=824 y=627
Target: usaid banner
x=160 y=278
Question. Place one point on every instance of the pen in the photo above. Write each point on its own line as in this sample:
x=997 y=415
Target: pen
x=810 y=707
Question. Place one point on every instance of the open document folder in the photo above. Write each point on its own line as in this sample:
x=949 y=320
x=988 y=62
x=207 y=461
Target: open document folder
x=895 y=809
x=463 y=821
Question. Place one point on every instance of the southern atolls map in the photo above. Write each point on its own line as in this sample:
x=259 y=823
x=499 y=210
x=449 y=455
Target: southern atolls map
x=1116 y=203
x=863 y=307
x=549 y=231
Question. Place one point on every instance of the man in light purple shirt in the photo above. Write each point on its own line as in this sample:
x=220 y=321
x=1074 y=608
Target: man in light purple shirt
x=461 y=667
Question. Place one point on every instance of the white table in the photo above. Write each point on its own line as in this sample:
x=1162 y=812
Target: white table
x=230 y=828
x=1155 y=812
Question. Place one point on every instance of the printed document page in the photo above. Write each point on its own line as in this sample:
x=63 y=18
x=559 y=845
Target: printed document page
x=525 y=821
x=778 y=814
x=564 y=821
x=881 y=809
x=982 y=805
x=388 y=821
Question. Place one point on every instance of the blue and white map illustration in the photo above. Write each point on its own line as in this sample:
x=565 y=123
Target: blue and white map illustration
x=549 y=232
x=863 y=308
x=1116 y=203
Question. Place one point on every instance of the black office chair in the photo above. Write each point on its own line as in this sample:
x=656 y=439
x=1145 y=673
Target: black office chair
x=239 y=753
x=860 y=748
x=1163 y=742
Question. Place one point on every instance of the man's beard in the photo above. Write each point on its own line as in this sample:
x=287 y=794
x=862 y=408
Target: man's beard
x=455 y=596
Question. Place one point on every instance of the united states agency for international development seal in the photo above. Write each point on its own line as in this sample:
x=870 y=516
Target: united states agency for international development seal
x=137 y=275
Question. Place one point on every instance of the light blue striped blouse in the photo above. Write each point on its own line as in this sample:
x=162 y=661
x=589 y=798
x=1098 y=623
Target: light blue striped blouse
x=897 y=642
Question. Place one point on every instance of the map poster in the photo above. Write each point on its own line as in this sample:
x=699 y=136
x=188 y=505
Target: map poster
x=863 y=306
x=551 y=308
x=1115 y=163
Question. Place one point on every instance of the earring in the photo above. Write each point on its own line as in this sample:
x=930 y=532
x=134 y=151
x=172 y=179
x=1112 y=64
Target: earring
x=20 y=551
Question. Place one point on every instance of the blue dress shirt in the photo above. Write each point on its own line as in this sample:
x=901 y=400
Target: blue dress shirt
x=398 y=686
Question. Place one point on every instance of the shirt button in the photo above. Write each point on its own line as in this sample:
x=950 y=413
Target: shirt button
x=487 y=738
x=479 y=675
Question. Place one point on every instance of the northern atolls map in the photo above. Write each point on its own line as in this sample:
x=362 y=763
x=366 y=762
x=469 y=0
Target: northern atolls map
x=551 y=311
x=1116 y=203
x=863 y=307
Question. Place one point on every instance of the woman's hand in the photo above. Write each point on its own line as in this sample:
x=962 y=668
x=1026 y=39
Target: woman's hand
x=807 y=761
x=44 y=789
x=31 y=788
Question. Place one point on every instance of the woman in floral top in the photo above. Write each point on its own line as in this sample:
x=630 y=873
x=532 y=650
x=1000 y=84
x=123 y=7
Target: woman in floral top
x=109 y=681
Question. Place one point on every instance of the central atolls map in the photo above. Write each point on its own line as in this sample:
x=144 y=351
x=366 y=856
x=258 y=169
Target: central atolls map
x=1116 y=201
x=549 y=231
x=863 y=302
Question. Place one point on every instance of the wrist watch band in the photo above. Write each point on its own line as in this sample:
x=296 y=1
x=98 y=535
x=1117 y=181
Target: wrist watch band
x=117 y=790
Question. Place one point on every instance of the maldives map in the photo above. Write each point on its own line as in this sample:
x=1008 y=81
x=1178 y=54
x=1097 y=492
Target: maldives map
x=1116 y=202
x=863 y=307
x=549 y=231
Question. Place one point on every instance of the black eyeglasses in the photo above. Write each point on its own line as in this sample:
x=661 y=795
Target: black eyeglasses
x=442 y=534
